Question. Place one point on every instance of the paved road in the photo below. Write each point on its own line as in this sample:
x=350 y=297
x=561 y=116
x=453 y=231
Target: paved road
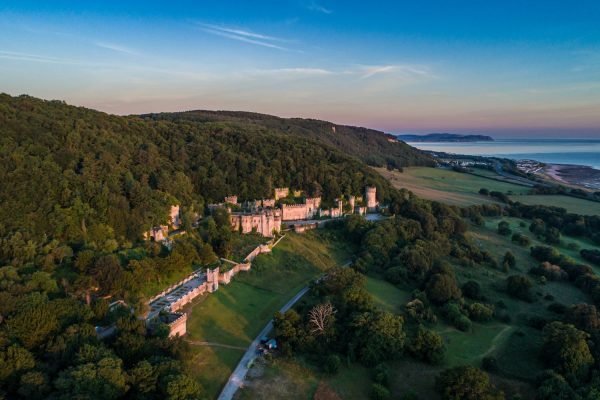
x=236 y=379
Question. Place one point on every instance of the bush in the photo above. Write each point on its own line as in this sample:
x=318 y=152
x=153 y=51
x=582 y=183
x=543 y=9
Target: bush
x=379 y=392
x=519 y=286
x=332 y=364
x=395 y=275
x=427 y=346
x=484 y=192
x=472 y=290
x=520 y=239
x=481 y=312
x=466 y=383
x=504 y=228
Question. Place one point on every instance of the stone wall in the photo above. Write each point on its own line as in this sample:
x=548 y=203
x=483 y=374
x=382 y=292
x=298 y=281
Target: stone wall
x=280 y=193
x=178 y=327
x=294 y=212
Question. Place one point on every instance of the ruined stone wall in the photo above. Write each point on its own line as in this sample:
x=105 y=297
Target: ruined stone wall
x=280 y=193
x=175 y=217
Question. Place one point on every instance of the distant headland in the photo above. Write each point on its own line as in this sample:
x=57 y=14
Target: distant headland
x=445 y=137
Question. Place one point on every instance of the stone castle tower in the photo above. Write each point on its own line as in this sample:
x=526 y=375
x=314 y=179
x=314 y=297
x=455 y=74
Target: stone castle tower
x=371 y=195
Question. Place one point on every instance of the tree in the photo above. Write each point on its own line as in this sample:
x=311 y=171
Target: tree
x=504 y=228
x=320 y=318
x=104 y=380
x=509 y=260
x=472 y=290
x=181 y=387
x=519 y=286
x=379 y=392
x=428 y=346
x=441 y=288
x=14 y=361
x=378 y=336
x=466 y=383
x=566 y=350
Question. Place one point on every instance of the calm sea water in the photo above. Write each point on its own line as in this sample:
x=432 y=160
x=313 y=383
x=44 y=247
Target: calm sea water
x=558 y=151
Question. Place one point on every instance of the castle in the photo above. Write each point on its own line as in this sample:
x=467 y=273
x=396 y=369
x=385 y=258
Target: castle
x=161 y=232
x=266 y=222
x=264 y=217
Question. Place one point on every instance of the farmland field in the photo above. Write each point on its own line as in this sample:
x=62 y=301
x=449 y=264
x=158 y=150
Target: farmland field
x=448 y=186
x=571 y=204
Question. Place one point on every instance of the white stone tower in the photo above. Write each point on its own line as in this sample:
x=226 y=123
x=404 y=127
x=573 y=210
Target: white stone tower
x=371 y=195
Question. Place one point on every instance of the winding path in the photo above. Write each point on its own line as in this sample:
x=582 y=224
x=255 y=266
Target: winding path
x=236 y=379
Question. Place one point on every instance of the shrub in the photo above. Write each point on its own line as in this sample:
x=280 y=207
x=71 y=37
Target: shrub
x=427 y=346
x=472 y=290
x=332 y=364
x=519 y=287
x=481 y=312
x=379 y=392
x=504 y=228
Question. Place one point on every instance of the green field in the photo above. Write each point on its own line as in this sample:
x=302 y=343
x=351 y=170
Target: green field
x=386 y=295
x=448 y=186
x=236 y=313
x=571 y=204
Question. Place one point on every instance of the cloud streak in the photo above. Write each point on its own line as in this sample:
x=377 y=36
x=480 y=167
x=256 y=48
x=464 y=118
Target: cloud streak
x=245 y=36
x=117 y=48
x=314 y=6
x=407 y=71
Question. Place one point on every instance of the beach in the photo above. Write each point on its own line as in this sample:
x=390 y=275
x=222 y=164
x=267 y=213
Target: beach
x=574 y=175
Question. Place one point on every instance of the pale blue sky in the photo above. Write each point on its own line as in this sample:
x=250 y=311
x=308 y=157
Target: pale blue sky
x=508 y=68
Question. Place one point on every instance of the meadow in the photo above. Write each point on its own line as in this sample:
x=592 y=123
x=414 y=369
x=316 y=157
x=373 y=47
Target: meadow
x=448 y=186
x=571 y=204
x=462 y=189
x=221 y=325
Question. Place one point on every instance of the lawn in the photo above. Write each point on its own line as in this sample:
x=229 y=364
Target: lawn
x=236 y=313
x=571 y=204
x=387 y=296
x=448 y=186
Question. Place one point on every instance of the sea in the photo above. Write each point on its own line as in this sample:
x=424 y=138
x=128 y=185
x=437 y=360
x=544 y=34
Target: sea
x=550 y=151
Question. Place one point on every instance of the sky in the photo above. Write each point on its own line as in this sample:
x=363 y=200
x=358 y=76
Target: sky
x=504 y=68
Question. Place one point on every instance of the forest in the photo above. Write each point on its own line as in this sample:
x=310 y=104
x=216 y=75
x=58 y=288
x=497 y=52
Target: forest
x=79 y=187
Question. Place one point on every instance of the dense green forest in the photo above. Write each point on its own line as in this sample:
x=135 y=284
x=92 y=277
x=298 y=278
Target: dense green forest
x=372 y=147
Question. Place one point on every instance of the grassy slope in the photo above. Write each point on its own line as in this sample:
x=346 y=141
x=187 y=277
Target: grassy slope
x=448 y=186
x=235 y=314
x=571 y=204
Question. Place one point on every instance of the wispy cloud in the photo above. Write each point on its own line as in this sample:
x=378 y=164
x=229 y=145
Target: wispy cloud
x=314 y=6
x=117 y=47
x=245 y=36
x=404 y=70
x=298 y=71
x=17 y=56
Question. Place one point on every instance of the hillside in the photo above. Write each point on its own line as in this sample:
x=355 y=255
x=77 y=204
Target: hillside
x=70 y=173
x=371 y=146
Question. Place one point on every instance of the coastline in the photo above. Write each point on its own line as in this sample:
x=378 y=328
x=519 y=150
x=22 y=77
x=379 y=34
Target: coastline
x=576 y=175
